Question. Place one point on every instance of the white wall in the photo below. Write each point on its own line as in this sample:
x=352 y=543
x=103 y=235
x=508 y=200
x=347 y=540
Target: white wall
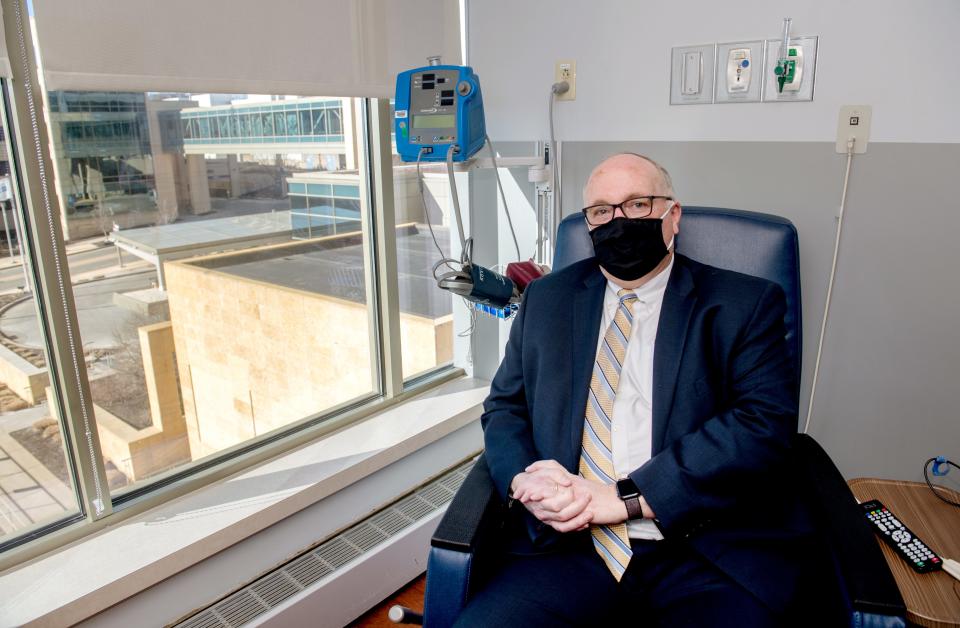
x=622 y=50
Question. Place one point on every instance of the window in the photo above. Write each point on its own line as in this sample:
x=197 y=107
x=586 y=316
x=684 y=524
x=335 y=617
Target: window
x=334 y=122
x=426 y=311
x=223 y=343
x=224 y=280
x=37 y=485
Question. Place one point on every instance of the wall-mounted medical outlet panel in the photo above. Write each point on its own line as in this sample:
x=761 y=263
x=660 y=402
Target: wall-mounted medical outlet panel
x=854 y=121
x=739 y=76
x=691 y=74
x=801 y=70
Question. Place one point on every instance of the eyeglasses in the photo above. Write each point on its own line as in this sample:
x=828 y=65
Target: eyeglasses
x=639 y=207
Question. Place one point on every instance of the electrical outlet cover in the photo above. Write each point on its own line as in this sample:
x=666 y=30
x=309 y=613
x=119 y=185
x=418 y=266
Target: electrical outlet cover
x=566 y=70
x=771 y=93
x=854 y=121
x=739 y=53
x=691 y=74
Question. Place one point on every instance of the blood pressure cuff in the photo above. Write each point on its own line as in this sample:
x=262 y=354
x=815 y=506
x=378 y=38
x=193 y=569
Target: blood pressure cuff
x=490 y=287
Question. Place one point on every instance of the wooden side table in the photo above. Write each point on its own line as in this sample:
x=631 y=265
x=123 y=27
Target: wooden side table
x=932 y=599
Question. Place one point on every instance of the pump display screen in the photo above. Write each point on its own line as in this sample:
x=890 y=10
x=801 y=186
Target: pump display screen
x=438 y=121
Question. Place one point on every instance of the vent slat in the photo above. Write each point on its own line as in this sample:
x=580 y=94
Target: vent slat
x=414 y=507
x=307 y=569
x=336 y=552
x=240 y=608
x=205 y=619
x=285 y=582
x=436 y=494
x=390 y=521
x=275 y=588
x=453 y=482
x=365 y=536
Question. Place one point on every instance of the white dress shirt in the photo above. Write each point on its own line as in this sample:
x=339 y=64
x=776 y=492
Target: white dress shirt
x=632 y=432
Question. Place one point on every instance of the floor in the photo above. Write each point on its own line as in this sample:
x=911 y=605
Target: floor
x=410 y=596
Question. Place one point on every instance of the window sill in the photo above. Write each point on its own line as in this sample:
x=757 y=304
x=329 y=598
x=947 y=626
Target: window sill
x=82 y=579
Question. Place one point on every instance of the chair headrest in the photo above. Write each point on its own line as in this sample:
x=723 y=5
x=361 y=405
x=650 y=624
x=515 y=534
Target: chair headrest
x=762 y=245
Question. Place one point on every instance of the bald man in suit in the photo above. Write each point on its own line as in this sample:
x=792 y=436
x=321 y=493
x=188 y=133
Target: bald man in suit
x=643 y=408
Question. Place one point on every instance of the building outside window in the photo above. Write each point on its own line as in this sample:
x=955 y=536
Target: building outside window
x=217 y=256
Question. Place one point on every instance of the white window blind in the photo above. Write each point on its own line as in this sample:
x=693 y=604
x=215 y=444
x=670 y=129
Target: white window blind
x=4 y=57
x=304 y=47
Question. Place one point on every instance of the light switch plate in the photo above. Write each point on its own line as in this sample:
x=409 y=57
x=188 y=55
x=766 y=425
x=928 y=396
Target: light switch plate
x=771 y=93
x=691 y=74
x=739 y=52
x=854 y=121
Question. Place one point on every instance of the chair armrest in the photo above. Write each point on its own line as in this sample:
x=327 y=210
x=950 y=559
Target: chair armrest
x=863 y=571
x=460 y=554
x=476 y=511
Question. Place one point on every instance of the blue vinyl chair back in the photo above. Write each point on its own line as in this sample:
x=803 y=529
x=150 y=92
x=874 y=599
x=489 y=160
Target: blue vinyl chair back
x=752 y=243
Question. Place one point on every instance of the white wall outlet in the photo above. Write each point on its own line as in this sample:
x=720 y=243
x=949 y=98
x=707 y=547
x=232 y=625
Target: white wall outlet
x=566 y=71
x=854 y=122
x=692 y=74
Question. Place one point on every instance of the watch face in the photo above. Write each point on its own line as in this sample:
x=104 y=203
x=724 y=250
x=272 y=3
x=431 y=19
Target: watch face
x=627 y=489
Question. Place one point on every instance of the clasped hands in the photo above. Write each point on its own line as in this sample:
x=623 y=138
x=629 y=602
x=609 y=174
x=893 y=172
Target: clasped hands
x=564 y=501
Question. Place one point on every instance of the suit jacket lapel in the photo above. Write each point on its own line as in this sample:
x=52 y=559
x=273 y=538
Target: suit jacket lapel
x=587 y=314
x=678 y=301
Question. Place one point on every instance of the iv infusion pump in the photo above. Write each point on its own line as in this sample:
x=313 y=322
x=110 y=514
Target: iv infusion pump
x=436 y=107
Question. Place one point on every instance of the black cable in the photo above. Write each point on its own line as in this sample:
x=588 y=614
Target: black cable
x=933 y=487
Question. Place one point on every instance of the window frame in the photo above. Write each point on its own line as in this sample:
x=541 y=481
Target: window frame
x=41 y=210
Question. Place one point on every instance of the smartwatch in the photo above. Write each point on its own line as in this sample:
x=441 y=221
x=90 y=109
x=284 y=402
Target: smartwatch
x=630 y=494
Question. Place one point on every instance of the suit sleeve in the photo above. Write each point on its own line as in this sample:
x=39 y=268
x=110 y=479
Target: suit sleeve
x=707 y=471
x=506 y=424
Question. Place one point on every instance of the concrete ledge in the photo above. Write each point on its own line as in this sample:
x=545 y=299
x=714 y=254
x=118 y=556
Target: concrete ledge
x=139 y=454
x=149 y=302
x=23 y=378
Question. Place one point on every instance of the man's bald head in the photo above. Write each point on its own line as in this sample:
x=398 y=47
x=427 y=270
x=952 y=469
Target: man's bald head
x=631 y=177
x=629 y=164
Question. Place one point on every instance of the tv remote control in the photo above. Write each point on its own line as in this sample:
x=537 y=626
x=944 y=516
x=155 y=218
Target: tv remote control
x=900 y=538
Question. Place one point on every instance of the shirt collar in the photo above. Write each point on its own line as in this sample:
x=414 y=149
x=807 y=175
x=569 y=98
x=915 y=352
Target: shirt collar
x=651 y=291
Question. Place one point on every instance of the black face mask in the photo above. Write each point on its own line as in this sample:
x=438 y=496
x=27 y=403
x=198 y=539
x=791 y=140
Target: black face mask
x=629 y=248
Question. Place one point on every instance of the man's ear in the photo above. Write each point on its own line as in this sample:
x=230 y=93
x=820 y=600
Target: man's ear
x=675 y=212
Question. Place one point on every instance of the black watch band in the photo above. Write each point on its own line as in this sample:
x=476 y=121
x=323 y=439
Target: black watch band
x=630 y=494
x=634 y=511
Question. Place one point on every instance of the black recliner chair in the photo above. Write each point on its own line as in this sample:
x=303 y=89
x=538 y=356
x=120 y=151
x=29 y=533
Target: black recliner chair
x=763 y=245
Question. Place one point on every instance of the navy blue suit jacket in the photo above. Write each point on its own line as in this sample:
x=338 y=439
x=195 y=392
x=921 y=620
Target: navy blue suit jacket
x=724 y=408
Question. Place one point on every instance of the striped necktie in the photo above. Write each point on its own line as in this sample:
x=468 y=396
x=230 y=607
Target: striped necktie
x=596 y=454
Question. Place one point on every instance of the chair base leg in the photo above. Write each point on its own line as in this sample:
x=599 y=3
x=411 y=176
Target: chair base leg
x=403 y=615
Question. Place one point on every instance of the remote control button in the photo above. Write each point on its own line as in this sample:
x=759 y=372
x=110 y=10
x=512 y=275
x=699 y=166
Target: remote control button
x=882 y=527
